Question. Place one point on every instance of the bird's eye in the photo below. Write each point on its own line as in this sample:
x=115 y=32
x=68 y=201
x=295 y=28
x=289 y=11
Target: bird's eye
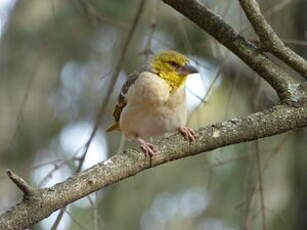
x=174 y=64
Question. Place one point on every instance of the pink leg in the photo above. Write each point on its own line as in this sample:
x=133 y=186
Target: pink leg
x=188 y=133
x=148 y=149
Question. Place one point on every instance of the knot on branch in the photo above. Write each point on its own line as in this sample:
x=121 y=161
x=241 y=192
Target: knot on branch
x=296 y=94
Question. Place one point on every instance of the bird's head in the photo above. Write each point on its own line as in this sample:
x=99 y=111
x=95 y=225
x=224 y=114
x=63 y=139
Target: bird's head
x=173 y=67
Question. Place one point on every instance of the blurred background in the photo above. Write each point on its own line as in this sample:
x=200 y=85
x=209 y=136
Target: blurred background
x=57 y=59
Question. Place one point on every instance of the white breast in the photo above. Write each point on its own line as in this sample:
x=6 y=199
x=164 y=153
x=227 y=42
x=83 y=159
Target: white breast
x=151 y=109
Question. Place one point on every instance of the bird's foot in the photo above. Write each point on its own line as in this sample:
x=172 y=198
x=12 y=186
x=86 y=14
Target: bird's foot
x=188 y=133
x=148 y=149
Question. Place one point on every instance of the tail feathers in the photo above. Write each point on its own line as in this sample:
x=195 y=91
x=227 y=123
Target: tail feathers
x=113 y=127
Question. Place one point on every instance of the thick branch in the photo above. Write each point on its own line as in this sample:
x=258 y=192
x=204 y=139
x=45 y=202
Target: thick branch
x=230 y=38
x=270 y=40
x=276 y=120
x=270 y=122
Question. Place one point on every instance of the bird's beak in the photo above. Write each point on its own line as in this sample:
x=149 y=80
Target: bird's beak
x=187 y=69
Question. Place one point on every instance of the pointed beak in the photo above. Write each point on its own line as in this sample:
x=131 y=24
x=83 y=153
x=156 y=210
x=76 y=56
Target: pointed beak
x=187 y=69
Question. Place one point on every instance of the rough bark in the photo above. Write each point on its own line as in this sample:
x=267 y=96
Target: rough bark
x=290 y=114
x=253 y=56
x=42 y=202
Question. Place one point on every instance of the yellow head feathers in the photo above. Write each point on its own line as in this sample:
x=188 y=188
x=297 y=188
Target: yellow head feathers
x=173 y=67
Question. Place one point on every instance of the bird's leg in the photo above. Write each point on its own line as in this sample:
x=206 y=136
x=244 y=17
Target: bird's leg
x=188 y=133
x=148 y=149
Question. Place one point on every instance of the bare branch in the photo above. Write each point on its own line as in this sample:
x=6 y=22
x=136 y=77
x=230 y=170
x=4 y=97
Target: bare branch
x=276 y=120
x=259 y=178
x=245 y=50
x=295 y=42
x=270 y=40
x=270 y=122
x=289 y=42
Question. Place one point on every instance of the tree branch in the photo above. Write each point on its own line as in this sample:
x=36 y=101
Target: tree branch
x=230 y=38
x=270 y=40
x=270 y=122
x=281 y=118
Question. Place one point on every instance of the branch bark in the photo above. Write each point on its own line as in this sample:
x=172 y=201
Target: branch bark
x=245 y=50
x=39 y=203
x=45 y=201
x=270 y=40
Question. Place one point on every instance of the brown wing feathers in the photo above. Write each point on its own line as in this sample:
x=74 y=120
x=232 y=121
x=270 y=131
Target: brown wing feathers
x=121 y=102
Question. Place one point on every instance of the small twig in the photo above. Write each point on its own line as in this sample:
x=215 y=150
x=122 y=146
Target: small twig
x=49 y=175
x=95 y=212
x=278 y=7
x=186 y=43
x=104 y=104
x=152 y=28
x=52 y=162
x=205 y=98
x=259 y=177
x=288 y=42
x=294 y=42
x=27 y=189
x=74 y=220
x=255 y=95
x=276 y=150
x=224 y=162
x=96 y=17
x=227 y=9
x=202 y=100
x=250 y=200
x=113 y=81
x=217 y=75
x=24 y=101
x=58 y=219
x=259 y=182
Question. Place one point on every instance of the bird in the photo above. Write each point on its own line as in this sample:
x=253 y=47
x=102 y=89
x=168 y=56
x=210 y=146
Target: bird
x=152 y=102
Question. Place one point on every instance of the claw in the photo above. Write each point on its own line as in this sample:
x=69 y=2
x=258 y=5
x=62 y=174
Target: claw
x=188 y=133
x=148 y=149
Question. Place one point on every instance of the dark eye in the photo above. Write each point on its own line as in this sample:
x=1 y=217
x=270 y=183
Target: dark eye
x=174 y=64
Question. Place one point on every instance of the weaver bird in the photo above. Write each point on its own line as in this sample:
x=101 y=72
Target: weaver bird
x=153 y=102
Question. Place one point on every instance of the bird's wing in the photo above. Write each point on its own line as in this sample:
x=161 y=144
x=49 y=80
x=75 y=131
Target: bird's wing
x=121 y=101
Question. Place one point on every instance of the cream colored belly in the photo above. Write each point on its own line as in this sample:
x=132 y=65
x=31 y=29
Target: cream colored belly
x=151 y=121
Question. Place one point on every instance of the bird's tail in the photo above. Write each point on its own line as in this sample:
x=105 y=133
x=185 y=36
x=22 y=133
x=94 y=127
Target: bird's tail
x=115 y=126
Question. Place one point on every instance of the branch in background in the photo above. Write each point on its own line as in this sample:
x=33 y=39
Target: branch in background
x=288 y=42
x=295 y=42
x=276 y=8
x=114 y=78
x=104 y=104
x=278 y=119
x=152 y=28
x=270 y=40
x=230 y=38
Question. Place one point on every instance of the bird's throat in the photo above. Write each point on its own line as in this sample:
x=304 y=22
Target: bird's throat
x=174 y=80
